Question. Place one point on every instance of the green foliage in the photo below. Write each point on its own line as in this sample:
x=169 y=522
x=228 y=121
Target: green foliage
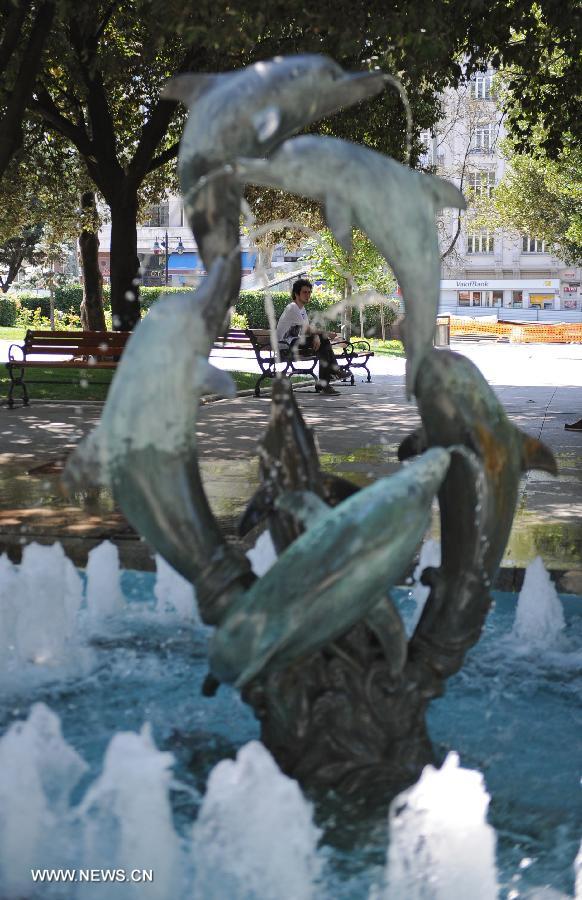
x=540 y=197
x=364 y=268
x=239 y=321
x=8 y=312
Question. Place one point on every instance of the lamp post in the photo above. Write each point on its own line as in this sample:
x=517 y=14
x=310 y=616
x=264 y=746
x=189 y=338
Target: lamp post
x=165 y=243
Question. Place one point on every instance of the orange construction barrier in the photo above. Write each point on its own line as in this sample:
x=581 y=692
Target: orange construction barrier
x=520 y=333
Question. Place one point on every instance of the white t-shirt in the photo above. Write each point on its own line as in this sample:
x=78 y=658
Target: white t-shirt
x=291 y=316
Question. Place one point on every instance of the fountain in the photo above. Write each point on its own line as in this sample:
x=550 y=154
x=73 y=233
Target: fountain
x=108 y=799
x=341 y=693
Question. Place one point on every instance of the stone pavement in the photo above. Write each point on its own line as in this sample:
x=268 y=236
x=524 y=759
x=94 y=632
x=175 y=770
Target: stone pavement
x=358 y=435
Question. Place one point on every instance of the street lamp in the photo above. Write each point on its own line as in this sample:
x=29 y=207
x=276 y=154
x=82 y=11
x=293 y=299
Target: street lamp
x=165 y=243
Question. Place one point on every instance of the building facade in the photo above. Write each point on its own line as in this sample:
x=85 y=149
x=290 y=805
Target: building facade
x=491 y=272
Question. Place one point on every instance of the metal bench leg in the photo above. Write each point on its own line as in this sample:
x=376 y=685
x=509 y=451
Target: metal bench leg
x=258 y=383
x=13 y=383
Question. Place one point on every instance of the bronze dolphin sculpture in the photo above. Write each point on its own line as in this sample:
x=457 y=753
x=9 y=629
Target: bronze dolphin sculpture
x=145 y=444
x=248 y=112
x=347 y=560
x=393 y=204
x=477 y=500
x=288 y=461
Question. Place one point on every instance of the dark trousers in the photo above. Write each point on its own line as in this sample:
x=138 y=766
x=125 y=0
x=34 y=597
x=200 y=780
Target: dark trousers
x=327 y=361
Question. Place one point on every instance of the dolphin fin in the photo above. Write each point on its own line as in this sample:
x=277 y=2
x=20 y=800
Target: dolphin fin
x=536 y=455
x=386 y=623
x=414 y=443
x=216 y=381
x=258 y=507
x=266 y=122
x=188 y=87
x=444 y=193
x=337 y=488
x=339 y=219
x=305 y=506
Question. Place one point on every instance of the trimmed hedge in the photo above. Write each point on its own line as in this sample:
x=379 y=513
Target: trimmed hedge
x=250 y=304
x=8 y=312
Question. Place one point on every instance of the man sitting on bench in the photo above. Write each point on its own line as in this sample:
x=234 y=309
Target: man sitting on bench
x=293 y=327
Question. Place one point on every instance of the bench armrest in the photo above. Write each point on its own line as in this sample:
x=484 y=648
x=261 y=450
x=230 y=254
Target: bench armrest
x=354 y=346
x=11 y=357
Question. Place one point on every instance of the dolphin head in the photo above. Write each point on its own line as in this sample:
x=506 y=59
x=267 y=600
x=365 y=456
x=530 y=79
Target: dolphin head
x=251 y=110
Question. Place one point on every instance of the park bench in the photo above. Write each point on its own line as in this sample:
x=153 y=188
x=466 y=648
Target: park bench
x=352 y=355
x=62 y=350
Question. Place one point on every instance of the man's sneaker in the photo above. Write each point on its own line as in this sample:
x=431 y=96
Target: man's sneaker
x=329 y=390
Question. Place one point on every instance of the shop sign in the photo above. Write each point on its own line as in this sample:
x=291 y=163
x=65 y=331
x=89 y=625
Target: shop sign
x=569 y=274
x=571 y=288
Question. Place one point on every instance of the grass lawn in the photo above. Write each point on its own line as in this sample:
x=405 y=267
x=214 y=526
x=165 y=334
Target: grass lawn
x=386 y=348
x=12 y=334
x=83 y=386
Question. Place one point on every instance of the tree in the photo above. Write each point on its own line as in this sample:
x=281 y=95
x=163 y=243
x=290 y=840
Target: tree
x=541 y=197
x=363 y=268
x=542 y=77
x=18 y=250
x=455 y=139
x=92 y=314
x=107 y=61
x=24 y=29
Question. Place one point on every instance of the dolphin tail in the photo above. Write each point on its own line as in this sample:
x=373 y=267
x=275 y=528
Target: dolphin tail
x=188 y=87
x=445 y=193
x=386 y=623
x=536 y=455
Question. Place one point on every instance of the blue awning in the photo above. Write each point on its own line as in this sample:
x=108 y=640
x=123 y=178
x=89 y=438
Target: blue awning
x=191 y=262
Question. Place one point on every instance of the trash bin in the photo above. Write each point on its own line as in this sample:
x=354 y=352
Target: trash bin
x=442 y=332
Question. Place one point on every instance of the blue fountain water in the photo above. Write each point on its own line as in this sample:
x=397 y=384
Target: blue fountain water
x=514 y=713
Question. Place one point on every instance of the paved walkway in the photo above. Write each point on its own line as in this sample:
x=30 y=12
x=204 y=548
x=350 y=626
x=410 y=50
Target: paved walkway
x=358 y=434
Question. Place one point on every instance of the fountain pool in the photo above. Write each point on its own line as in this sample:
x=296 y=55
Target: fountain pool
x=514 y=713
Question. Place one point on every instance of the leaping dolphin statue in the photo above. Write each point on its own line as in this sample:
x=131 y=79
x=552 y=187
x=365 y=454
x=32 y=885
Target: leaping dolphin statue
x=249 y=112
x=144 y=446
x=332 y=576
x=477 y=501
x=289 y=461
x=393 y=204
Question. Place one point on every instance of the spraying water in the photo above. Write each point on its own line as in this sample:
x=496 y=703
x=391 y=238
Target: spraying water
x=441 y=847
x=539 y=618
x=254 y=838
x=104 y=597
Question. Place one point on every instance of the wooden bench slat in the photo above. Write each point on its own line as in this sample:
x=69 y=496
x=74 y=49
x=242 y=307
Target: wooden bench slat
x=84 y=349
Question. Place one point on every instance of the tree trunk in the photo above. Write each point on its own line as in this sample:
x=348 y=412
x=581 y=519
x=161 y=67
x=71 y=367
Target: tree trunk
x=92 y=315
x=346 y=328
x=383 y=321
x=124 y=262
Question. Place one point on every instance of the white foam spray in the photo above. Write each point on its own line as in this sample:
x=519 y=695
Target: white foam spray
x=539 y=617
x=441 y=847
x=104 y=596
x=254 y=836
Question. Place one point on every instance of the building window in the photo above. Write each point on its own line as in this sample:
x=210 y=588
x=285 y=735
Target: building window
x=533 y=245
x=481 y=86
x=483 y=139
x=480 y=241
x=481 y=183
x=469 y=298
x=517 y=299
x=497 y=298
x=158 y=216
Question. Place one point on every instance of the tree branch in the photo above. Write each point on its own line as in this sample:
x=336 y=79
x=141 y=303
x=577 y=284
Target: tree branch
x=164 y=157
x=45 y=106
x=11 y=123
